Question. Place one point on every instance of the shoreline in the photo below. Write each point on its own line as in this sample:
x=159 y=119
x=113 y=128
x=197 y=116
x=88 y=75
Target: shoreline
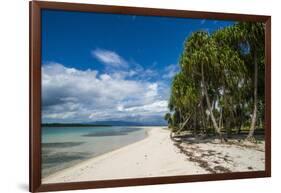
x=157 y=155
x=102 y=167
x=102 y=154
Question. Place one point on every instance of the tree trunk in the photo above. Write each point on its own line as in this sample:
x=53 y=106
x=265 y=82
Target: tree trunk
x=183 y=125
x=203 y=117
x=221 y=109
x=207 y=123
x=254 y=115
x=172 y=137
x=180 y=123
x=195 y=123
x=205 y=92
x=240 y=120
x=239 y=126
x=220 y=120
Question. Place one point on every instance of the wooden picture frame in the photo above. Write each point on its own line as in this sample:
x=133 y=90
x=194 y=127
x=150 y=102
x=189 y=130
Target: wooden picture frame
x=35 y=95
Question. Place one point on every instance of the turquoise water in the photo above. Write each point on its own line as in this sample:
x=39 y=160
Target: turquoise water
x=63 y=147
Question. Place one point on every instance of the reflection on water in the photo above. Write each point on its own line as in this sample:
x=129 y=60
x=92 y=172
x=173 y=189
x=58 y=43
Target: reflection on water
x=63 y=147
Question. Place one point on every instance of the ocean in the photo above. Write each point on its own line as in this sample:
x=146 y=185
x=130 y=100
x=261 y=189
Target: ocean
x=63 y=147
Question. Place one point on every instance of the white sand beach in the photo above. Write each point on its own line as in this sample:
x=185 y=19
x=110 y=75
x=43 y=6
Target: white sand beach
x=157 y=155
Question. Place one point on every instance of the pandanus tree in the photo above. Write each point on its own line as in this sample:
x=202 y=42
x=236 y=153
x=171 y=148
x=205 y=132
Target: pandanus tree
x=253 y=35
x=247 y=38
x=214 y=88
x=217 y=67
x=182 y=99
x=234 y=73
x=168 y=118
x=200 y=55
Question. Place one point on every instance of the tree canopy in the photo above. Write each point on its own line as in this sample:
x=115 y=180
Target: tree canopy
x=220 y=86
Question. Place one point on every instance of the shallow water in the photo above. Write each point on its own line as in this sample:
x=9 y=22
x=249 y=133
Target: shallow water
x=63 y=147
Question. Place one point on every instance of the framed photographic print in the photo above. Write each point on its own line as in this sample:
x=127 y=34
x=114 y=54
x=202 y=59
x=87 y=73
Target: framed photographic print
x=123 y=96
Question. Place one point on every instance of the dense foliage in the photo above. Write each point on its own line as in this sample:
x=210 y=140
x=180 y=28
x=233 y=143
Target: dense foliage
x=220 y=86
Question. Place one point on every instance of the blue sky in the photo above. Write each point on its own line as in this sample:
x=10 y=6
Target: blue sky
x=111 y=67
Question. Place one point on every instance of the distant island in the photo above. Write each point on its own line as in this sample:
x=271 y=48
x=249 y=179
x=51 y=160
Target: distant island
x=73 y=125
x=108 y=123
x=129 y=123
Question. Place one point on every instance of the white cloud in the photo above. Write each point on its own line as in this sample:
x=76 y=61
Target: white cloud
x=170 y=71
x=72 y=95
x=152 y=90
x=109 y=58
x=118 y=66
x=157 y=106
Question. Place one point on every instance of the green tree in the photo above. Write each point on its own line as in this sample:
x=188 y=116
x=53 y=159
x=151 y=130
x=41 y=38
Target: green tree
x=217 y=86
x=253 y=34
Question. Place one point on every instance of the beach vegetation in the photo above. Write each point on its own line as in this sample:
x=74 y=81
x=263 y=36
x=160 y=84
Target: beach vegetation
x=219 y=90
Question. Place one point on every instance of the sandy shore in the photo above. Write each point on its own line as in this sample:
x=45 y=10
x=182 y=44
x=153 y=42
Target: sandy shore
x=157 y=155
x=217 y=157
